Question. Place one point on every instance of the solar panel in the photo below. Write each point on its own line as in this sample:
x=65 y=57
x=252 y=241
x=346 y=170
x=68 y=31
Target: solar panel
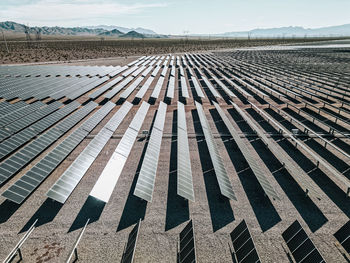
x=126 y=93
x=119 y=87
x=18 y=139
x=187 y=245
x=158 y=87
x=144 y=87
x=145 y=182
x=105 y=184
x=184 y=88
x=297 y=173
x=184 y=171
x=29 y=119
x=171 y=87
x=316 y=157
x=17 y=114
x=67 y=182
x=220 y=171
x=24 y=186
x=210 y=86
x=343 y=236
x=243 y=244
x=300 y=245
x=241 y=90
x=78 y=92
x=197 y=87
x=223 y=86
x=253 y=163
x=129 y=249
x=105 y=87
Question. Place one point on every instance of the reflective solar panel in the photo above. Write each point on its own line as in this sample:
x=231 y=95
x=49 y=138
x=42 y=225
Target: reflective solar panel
x=144 y=87
x=253 y=163
x=158 y=87
x=126 y=93
x=184 y=87
x=184 y=171
x=220 y=171
x=197 y=87
x=171 y=87
x=65 y=185
x=300 y=245
x=37 y=174
x=145 y=182
x=105 y=184
x=11 y=144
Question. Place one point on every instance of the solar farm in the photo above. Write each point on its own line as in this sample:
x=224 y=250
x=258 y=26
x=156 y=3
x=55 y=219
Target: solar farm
x=225 y=156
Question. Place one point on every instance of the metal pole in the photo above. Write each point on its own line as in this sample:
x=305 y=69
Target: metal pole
x=3 y=35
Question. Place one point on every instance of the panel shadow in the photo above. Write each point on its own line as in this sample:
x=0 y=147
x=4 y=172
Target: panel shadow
x=337 y=195
x=177 y=211
x=92 y=209
x=262 y=206
x=45 y=214
x=221 y=212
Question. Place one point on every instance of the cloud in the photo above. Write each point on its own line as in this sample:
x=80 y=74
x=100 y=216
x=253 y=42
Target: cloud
x=64 y=12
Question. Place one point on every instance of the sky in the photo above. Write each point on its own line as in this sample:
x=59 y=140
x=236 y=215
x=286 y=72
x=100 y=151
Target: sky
x=178 y=16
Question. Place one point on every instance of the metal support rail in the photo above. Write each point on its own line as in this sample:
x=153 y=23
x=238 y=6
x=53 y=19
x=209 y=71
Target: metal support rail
x=17 y=248
x=74 y=250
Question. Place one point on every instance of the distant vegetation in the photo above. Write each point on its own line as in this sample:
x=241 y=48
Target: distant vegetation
x=63 y=50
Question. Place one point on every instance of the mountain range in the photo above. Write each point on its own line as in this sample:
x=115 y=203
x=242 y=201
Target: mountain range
x=117 y=31
x=13 y=27
x=293 y=31
x=124 y=29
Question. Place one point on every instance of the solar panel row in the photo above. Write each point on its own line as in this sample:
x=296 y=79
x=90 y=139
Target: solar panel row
x=105 y=184
x=14 y=142
x=65 y=185
x=220 y=171
x=184 y=171
x=23 y=187
x=145 y=182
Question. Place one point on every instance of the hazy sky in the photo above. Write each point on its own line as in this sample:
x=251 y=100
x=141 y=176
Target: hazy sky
x=177 y=16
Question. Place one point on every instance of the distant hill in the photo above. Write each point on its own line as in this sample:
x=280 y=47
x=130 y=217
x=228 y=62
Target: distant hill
x=124 y=29
x=13 y=27
x=133 y=34
x=19 y=28
x=342 y=30
x=114 y=32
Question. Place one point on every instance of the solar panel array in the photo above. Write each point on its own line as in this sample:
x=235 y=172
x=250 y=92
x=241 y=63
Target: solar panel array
x=65 y=185
x=219 y=168
x=300 y=245
x=23 y=187
x=105 y=184
x=243 y=244
x=39 y=109
x=145 y=183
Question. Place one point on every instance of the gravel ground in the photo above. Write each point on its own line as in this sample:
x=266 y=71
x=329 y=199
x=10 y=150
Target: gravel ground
x=214 y=217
